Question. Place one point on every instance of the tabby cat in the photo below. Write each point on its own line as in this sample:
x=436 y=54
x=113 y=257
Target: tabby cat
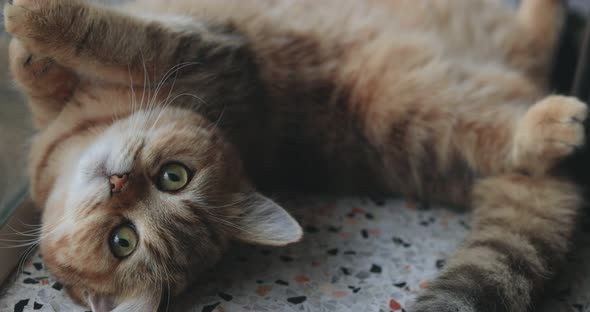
x=160 y=121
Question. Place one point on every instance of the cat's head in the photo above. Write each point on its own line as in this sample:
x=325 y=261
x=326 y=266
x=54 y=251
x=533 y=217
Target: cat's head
x=139 y=207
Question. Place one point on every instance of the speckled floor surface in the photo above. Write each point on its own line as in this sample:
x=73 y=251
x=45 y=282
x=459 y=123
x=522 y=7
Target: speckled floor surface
x=357 y=255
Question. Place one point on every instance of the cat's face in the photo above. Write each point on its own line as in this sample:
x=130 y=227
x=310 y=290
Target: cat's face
x=146 y=205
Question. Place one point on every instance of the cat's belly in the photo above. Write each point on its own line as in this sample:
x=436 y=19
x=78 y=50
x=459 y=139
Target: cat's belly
x=321 y=161
x=343 y=161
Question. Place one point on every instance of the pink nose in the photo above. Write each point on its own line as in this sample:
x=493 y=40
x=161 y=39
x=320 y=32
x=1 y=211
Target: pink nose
x=117 y=182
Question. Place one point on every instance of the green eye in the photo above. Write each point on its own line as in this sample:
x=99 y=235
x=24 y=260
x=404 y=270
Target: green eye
x=123 y=241
x=172 y=177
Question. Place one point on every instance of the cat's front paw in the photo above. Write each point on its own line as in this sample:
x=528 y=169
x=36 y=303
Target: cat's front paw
x=43 y=26
x=18 y=13
x=550 y=130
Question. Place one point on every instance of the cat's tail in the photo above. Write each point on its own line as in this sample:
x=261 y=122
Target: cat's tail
x=522 y=230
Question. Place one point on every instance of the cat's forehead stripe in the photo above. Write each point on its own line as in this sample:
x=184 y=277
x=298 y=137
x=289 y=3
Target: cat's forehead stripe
x=80 y=128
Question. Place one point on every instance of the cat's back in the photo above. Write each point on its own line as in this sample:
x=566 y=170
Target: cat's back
x=450 y=24
x=307 y=41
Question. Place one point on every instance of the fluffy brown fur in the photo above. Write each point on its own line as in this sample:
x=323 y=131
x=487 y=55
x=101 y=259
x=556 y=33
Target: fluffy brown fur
x=442 y=100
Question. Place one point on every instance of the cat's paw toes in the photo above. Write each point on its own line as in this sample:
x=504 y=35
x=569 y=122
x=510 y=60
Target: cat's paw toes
x=14 y=16
x=551 y=130
x=41 y=25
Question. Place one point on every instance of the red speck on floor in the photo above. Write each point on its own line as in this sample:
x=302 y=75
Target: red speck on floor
x=394 y=305
x=301 y=279
x=411 y=204
x=375 y=232
x=358 y=211
x=340 y=294
x=263 y=290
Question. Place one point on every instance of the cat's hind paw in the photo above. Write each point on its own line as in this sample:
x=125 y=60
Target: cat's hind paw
x=550 y=130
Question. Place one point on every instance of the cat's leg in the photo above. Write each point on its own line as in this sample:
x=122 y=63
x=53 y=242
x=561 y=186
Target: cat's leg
x=111 y=45
x=522 y=227
x=532 y=142
x=533 y=51
x=47 y=85
x=543 y=21
x=436 y=154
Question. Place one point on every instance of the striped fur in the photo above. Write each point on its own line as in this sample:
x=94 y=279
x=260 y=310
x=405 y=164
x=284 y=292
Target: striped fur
x=443 y=100
x=521 y=232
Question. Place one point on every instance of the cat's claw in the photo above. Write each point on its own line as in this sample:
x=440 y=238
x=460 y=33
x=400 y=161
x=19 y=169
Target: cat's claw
x=549 y=131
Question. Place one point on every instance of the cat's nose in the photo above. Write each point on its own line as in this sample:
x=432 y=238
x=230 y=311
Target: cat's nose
x=117 y=182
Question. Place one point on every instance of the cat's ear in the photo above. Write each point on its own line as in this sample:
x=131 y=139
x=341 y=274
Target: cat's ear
x=262 y=221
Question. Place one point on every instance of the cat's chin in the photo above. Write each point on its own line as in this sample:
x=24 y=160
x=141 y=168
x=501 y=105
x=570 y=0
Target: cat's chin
x=139 y=303
x=96 y=302
x=99 y=303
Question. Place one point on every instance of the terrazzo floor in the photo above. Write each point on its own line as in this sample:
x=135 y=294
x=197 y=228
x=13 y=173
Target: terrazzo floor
x=357 y=255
